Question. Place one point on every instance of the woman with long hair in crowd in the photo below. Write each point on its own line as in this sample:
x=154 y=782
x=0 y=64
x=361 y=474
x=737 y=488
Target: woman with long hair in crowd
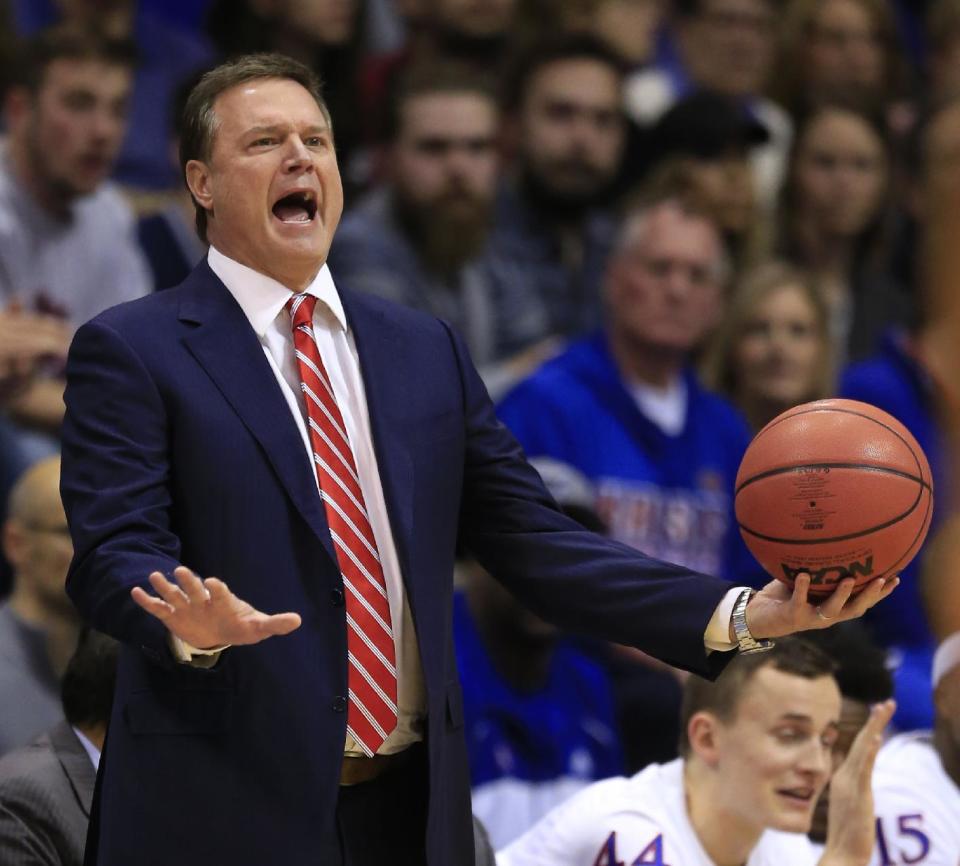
x=772 y=350
x=834 y=222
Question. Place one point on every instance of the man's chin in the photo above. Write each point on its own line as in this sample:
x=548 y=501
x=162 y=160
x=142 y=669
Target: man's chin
x=793 y=821
x=68 y=189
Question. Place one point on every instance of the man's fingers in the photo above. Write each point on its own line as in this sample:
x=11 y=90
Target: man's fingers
x=801 y=586
x=150 y=603
x=191 y=585
x=889 y=585
x=278 y=624
x=885 y=587
x=219 y=592
x=868 y=597
x=831 y=608
x=868 y=740
x=876 y=591
x=169 y=592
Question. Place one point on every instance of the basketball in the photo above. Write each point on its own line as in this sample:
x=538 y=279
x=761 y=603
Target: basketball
x=835 y=488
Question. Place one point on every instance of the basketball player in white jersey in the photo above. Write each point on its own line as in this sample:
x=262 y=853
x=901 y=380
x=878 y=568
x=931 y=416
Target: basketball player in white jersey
x=757 y=750
x=916 y=782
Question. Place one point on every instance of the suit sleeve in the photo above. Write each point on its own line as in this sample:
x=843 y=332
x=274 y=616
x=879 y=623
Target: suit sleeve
x=115 y=486
x=21 y=843
x=572 y=577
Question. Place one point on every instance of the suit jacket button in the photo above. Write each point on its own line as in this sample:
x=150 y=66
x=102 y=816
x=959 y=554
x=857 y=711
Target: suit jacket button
x=336 y=597
x=339 y=704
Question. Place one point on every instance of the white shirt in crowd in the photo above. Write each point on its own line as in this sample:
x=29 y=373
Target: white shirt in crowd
x=917 y=805
x=642 y=819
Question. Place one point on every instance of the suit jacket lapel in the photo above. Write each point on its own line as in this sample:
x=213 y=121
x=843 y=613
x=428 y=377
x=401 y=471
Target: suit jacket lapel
x=379 y=347
x=76 y=764
x=225 y=345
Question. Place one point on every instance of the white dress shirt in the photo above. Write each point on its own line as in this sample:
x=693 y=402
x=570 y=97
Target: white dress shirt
x=263 y=300
x=93 y=753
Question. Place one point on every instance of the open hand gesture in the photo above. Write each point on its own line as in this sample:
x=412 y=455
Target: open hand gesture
x=850 y=824
x=206 y=614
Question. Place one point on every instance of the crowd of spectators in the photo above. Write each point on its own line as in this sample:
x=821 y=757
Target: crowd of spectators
x=656 y=223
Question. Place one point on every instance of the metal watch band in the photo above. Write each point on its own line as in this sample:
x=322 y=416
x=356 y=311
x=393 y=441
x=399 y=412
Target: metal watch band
x=746 y=641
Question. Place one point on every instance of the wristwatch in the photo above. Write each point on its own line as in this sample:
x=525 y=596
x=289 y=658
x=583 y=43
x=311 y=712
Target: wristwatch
x=746 y=641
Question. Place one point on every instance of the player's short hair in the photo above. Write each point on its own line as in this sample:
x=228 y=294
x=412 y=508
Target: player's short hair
x=35 y=55
x=790 y=655
x=199 y=123
x=862 y=671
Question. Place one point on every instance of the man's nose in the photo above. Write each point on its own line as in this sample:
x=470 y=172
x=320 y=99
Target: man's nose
x=817 y=761
x=106 y=125
x=678 y=284
x=297 y=156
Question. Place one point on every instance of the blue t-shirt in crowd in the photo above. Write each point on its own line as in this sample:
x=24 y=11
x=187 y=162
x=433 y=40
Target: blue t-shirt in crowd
x=530 y=751
x=669 y=496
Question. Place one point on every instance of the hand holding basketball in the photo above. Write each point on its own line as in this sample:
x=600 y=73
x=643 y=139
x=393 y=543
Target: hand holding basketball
x=778 y=610
x=836 y=489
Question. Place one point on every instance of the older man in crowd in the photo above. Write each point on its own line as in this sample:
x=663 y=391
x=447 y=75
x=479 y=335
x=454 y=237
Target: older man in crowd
x=38 y=625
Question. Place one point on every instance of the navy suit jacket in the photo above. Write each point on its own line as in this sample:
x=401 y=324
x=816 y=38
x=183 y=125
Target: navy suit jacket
x=178 y=447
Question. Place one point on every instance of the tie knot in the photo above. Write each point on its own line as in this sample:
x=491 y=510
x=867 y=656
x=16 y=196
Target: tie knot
x=301 y=309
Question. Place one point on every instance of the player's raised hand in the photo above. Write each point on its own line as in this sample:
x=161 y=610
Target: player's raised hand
x=776 y=610
x=206 y=614
x=851 y=829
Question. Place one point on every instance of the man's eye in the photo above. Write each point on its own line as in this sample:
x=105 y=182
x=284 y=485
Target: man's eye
x=790 y=735
x=263 y=142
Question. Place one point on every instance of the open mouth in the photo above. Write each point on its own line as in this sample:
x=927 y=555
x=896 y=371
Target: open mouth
x=800 y=796
x=299 y=207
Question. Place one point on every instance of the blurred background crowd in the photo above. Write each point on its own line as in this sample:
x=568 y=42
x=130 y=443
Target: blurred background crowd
x=657 y=223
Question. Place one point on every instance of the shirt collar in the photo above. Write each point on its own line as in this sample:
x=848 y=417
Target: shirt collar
x=262 y=298
x=93 y=753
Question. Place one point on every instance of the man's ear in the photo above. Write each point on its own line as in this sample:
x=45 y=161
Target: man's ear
x=200 y=183
x=703 y=734
x=14 y=541
x=17 y=105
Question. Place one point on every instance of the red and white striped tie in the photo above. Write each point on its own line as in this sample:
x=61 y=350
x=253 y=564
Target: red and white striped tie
x=371 y=668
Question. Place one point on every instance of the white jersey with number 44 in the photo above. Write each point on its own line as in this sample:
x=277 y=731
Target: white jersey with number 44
x=640 y=821
x=917 y=805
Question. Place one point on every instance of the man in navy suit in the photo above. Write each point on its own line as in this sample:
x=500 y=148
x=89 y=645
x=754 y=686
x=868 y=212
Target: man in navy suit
x=195 y=445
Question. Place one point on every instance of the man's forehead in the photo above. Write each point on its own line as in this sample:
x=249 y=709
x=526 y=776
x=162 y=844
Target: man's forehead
x=97 y=70
x=577 y=77
x=449 y=111
x=267 y=101
x=772 y=694
x=664 y=223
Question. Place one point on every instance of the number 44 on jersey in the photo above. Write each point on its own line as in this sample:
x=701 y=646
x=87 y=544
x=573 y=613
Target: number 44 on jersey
x=652 y=855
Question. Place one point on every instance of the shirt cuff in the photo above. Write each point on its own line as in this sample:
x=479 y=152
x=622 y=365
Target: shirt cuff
x=190 y=655
x=717 y=635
